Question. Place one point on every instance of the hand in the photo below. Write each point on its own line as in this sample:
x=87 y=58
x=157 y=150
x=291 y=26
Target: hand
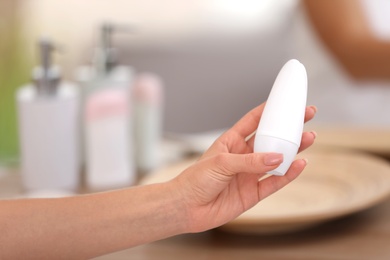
x=224 y=182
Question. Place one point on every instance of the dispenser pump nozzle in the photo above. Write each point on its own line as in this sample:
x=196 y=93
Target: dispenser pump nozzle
x=46 y=48
x=46 y=76
x=106 y=56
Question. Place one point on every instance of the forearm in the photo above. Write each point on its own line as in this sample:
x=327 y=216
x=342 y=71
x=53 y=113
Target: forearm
x=90 y=225
x=367 y=59
x=348 y=36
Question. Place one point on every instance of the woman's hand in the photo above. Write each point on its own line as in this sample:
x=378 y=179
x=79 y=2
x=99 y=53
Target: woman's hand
x=224 y=182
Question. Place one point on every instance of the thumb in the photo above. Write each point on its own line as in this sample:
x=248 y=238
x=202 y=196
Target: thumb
x=256 y=163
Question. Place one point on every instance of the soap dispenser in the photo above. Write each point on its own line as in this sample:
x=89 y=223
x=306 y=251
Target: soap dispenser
x=109 y=157
x=48 y=129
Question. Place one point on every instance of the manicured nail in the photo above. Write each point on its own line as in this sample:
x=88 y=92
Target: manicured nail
x=306 y=161
x=273 y=159
x=314 y=108
x=314 y=133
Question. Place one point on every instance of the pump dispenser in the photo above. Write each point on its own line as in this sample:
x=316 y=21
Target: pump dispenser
x=105 y=55
x=47 y=76
x=48 y=129
x=107 y=118
x=281 y=124
x=105 y=65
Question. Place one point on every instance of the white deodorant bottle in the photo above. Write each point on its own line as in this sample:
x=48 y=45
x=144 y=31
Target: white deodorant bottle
x=281 y=124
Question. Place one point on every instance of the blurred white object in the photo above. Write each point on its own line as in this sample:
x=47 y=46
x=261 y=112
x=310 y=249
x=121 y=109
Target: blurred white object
x=109 y=157
x=47 y=194
x=49 y=138
x=48 y=126
x=103 y=73
x=196 y=143
x=238 y=15
x=107 y=117
x=377 y=12
x=148 y=99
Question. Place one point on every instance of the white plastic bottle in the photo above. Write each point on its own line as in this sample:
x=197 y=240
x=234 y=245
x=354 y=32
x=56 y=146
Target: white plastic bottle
x=107 y=133
x=108 y=152
x=48 y=130
x=103 y=72
x=281 y=124
x=148 y=99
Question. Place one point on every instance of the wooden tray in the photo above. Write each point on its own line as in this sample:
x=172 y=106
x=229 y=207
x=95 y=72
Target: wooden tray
x=334 y=184
x=368 y=139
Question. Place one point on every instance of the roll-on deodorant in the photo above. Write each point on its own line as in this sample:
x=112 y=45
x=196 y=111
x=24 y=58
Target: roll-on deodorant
x=281 y=124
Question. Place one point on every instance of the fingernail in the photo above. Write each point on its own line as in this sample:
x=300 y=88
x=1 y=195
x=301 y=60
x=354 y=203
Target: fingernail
x=314 y=108
x=314 y=133
x=306 y=161
x=273 y=159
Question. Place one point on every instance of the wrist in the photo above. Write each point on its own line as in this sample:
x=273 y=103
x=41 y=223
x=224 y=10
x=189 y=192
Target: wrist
x=177 y=205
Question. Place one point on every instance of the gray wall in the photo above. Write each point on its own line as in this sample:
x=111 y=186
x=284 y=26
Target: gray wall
x=211 y=81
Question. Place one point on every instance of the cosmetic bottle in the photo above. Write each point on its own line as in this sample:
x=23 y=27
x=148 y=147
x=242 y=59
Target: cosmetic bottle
x=48 y=129
x=281 y=124
x=108 y=143
x=148 y=97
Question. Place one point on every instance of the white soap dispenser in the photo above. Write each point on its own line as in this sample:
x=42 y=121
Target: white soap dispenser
x=48 y=129
x=109 y=157
x=281 y=124
x=104 y=72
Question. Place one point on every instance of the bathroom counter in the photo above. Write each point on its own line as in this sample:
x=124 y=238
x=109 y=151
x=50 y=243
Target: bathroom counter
x=364 y=235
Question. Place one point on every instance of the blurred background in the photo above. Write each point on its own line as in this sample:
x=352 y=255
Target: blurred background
x=218 y=59
x=14 y=69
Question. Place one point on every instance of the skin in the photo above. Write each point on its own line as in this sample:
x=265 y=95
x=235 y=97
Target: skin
x=344 y=30
x=220 y=186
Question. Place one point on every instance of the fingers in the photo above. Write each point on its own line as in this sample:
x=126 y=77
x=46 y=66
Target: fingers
x=240 y=138
x=223 y=168
x=274 y=183
x=307 y=139
x=234 y=140
x=310 y=113
x=257 y=163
